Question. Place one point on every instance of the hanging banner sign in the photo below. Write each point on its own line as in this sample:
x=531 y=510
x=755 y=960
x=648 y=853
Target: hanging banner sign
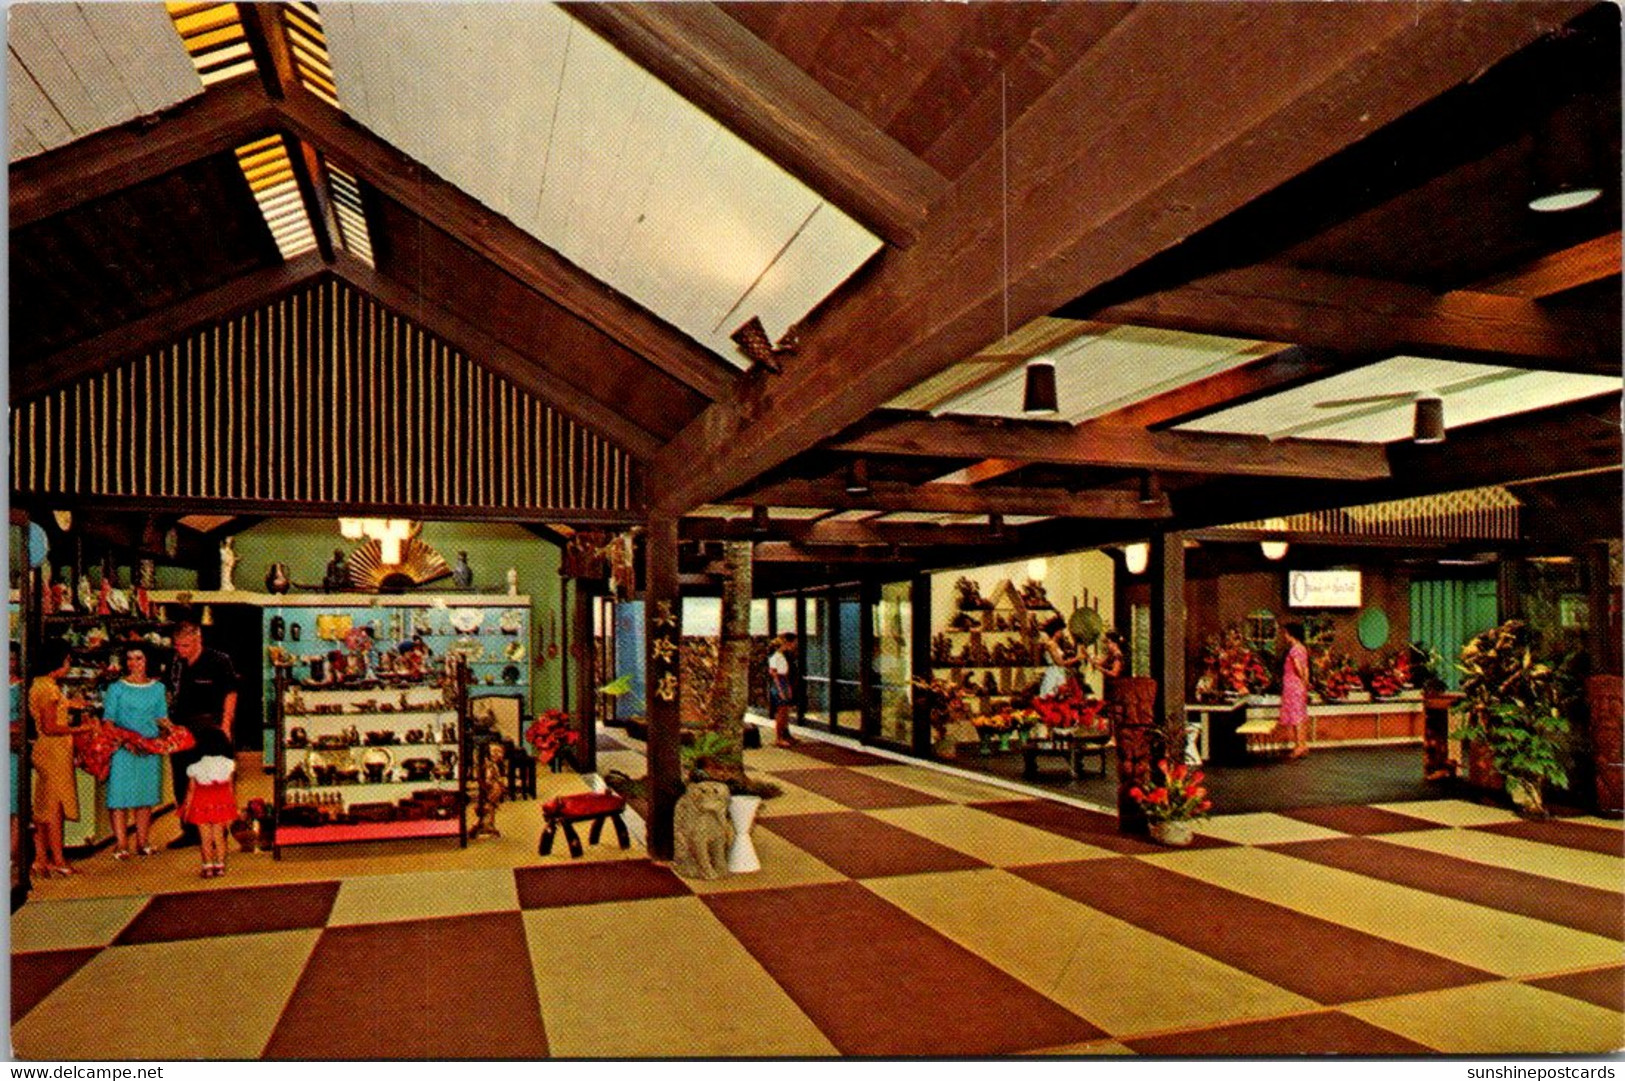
x=1323 y=589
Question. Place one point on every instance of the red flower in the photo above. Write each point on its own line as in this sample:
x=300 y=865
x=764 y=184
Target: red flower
x=1135 y=793
x=1158 y=795
x=1178 y=772
x=1196 y=778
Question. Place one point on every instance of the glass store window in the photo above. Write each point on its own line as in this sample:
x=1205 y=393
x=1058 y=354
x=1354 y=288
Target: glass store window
x=815 y=658
x=894 y=630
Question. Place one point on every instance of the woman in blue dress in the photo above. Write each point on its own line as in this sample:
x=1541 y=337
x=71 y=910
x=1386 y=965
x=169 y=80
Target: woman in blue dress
x=135 y=703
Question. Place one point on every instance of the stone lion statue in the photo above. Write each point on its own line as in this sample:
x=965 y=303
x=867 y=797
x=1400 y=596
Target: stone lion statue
x=701 y=831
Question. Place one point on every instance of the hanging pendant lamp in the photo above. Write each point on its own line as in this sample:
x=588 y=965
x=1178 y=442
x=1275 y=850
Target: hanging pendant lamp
x=1428 y=425
x=1038 y=397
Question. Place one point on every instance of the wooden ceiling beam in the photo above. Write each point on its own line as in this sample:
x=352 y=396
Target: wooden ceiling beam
x=1104 y=444
x=530 y=374
x=1288 y=367
x=955 y=499
x=1353 y=315
x=788 y=552
x=31 y=377
x=505 y=245
x=1285 y=87
x=1592 y=261
x=848 y=534
x=221 y=119
x=754 y=91
x=268 y=41
x=981 y=472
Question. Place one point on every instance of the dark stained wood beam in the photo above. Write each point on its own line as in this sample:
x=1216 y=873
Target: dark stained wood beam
x=1271 y=374
x=308 y=174
x=981 y=472
x=34 y=376
x=506 y=245
x=268 y=40
x=220 y=119
x=288 y=508
x=1561 y=271
x=1355 y=315
x=1098 y=443
x=787 y=552
x=531 y=374
x=955 y=499
x=759 y=95
x=1284 y=88
x=847 y=534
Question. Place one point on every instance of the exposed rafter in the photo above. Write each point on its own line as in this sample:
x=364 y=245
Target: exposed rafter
x=1286 y=86
x=1123 y=446
x=1267 y=375
x=849 y=534
x=955 y=499
x=1592 y=261
x=776 y=107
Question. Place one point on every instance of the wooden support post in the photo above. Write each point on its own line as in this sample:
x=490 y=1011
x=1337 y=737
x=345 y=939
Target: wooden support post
x=1168 y=634
x=662 y=613
x=920 y=654
x=585 y=687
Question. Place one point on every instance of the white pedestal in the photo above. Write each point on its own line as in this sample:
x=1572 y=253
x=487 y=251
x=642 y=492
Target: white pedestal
x=742 y=813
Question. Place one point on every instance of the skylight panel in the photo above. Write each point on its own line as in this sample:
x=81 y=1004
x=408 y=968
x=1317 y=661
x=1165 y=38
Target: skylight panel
x=214 y=39
x=269 y=172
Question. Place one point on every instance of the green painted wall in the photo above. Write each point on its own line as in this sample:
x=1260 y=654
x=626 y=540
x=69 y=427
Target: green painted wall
x=306 y=544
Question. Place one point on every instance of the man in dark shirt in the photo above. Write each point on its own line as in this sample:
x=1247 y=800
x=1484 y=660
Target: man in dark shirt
x=202 y=694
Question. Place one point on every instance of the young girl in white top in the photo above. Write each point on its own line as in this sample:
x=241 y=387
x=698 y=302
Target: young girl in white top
x=211 y=800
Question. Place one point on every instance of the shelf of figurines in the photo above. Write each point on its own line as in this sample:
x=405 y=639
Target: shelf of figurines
x=340 y=600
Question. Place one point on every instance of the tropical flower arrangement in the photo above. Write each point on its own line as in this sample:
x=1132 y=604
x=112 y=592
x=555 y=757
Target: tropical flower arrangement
x=549 y=734
x=1231 y=667
x=1068 y=709
x=1180 y=797
x=1006 y=720
x=1335 y=676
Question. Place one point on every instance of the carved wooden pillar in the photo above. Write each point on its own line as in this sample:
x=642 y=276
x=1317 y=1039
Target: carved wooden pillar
x=662 y=611
x=584 y=685
x=1168 y=634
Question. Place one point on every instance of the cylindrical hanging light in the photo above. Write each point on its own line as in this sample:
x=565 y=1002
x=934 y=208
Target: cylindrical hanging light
x=1150 y=489
x=1137 y=557
x=857 y=477
x=1274 y=549
x=1429 y=421
x=1038 y=399
x=1565 y=169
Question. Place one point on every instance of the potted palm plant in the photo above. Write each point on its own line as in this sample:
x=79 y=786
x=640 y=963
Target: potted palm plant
x=1516 y=714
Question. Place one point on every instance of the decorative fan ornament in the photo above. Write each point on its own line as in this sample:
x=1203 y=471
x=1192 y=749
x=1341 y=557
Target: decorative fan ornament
x=419 y=565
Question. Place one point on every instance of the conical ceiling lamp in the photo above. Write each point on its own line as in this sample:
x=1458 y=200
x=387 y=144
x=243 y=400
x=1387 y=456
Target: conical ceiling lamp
x=1564 y=167
x=1038 y=396
x=1428 y=424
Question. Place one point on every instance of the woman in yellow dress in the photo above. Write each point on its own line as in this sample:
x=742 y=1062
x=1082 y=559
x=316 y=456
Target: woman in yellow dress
x=56 y=796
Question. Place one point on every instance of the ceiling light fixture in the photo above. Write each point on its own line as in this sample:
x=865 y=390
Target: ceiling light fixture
x=1428 y=427
x=1136 y=557
x=857 y=477
x=1150 y=489
x=995 y=525
x=759 y=521
x=1274 y=549
x=1564 y=166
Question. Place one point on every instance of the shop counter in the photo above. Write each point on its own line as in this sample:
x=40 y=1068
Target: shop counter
x=1357 y=721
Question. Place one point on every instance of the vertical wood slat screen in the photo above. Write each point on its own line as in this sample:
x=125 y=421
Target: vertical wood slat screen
x=321 y=396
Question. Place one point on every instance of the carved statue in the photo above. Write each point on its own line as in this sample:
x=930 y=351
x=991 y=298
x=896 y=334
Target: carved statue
x=228 y=564
x=701 y=831
x=337 y=578
x=492 y=786
x=462 y=575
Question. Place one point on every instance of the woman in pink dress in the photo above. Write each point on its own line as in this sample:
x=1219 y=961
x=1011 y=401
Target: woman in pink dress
x=1295 y=688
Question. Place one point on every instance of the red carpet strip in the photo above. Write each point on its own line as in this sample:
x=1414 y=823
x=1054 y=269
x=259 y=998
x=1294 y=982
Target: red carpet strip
x=1308 y=1034
x=1360 y=821
x=838 y=756
x=1090 y=827
x=1603 y=987
x=856 y=790
x=877 y=981
x=1584 y=908
x=35 y=975
x=452 y=988
x=1316 y=958
x=593 y=883
x=862 y=847
x=1609 y=842
x=171 y=917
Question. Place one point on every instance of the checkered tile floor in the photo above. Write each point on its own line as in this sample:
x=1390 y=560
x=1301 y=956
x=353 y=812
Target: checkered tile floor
x=900 y=911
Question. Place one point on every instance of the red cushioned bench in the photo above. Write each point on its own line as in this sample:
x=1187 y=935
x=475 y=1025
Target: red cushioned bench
x=592 y=807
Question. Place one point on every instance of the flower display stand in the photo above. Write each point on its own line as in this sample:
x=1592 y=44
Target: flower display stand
x=742 y=858
x=1174 y=834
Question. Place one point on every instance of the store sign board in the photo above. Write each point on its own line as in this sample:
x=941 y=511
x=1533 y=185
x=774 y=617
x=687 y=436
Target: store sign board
x=1323 y=589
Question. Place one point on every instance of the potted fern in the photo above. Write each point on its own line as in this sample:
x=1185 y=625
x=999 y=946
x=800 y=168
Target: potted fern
x=1516 y=709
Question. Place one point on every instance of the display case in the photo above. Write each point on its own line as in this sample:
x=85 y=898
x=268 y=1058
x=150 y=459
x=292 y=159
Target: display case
x=373 y=759
x=990 y=647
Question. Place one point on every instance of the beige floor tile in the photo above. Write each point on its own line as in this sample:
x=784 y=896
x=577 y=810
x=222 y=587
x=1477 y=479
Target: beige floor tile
x=1450 y=812
x=783 y=864
x=659 y=978
x=1582 y=868
x=988 y=837
x=65 y=925
x=946 y=786
x=389 y=898
x=1264 y=828
x=1498 y=1018
x=794 y=800
x=171 y=1000
x=1098 y=1047
x=1104 y=970
x=1499 y=942
x=769 y=757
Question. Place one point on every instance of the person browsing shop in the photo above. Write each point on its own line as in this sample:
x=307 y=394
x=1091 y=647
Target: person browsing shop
x=780 y=694
x=203 y=697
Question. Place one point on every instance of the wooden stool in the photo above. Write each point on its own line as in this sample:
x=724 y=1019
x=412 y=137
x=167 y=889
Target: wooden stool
x=521 y=773
x=591 y=807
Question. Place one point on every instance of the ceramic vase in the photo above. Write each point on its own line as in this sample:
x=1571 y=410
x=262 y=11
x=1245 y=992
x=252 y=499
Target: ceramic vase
x=1175 y=834
x=742 y=857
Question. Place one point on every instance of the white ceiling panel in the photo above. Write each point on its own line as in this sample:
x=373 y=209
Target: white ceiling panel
x=1373 y=404
x=531 y=113
x=74 y=69
x=1098 y=374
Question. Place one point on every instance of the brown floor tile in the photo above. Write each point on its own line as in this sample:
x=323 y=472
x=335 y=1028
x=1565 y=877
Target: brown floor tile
x=877 y=981
x=1609 y=842
x=1308 y=1034
x=206 y=914
x=1360 y=820
x=838 y=756
x=1316 y=958
x=863 y=847
x=1603 y=987
x=856 y=790
x=594 y=883
x=1583 y=908
x=1091 y=827
x=35 y=975
x=458 y=987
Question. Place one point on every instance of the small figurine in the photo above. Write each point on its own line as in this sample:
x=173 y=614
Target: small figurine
x=462 y=575
x=513 y=582
x=228 y=564
x=492 y=785
x=337 y=578
x=276 y=579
